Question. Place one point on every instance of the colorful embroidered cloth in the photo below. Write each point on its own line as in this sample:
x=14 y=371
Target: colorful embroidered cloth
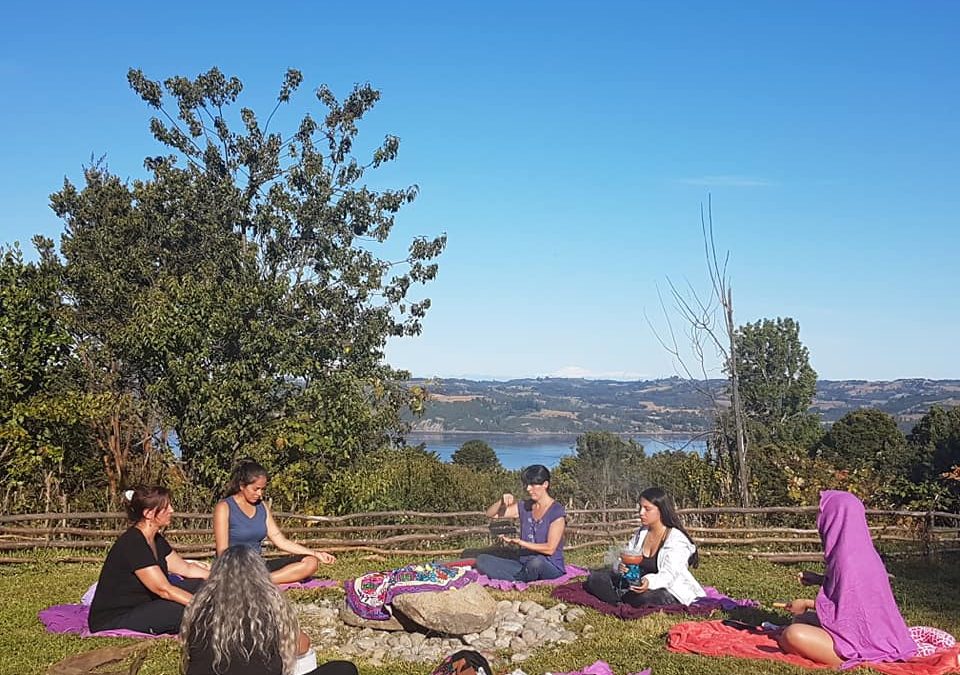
x=369 y=595
x=713 y=638
x=578 y=595
x=572 y=572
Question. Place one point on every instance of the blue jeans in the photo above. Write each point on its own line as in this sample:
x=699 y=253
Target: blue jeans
x=526 y=568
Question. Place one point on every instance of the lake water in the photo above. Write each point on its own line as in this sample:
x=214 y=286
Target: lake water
x=516 y=451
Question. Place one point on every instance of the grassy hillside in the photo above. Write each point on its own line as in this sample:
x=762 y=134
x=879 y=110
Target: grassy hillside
x=572 y=406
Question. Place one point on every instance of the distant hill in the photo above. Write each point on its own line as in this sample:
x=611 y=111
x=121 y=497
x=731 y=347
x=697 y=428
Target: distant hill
x=673 y=405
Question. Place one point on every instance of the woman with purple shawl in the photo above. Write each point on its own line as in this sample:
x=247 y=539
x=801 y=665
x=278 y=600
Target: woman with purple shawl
x=857 y=615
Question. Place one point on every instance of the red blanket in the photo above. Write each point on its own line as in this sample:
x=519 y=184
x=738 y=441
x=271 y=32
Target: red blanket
x=713 y=638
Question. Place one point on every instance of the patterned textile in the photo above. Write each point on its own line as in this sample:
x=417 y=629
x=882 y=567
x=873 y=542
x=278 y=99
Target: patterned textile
x=369 y=595
x=931 y=640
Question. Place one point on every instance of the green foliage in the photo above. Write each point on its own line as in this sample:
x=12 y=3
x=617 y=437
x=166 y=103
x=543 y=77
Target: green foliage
x=34 y=346
x=692 y=480
x=866 y=438
x=44 y=417
x=477 y=454
x=936 y=439
x=777 y=383
x=605 y=470
x=412 y=479
x=243 y=291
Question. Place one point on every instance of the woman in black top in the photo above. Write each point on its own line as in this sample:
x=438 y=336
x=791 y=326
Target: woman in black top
x=239 y=623
x=134 y=591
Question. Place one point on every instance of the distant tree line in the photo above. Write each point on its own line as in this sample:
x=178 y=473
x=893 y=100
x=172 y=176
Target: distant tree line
x=791 y=455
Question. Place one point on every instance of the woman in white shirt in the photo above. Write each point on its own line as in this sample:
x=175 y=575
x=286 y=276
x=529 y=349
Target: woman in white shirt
x=668 y=553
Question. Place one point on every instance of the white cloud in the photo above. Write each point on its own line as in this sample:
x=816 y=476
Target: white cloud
x=587 y=374
x=727 y=181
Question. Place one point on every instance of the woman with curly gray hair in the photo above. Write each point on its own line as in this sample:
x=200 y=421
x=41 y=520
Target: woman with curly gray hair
x=239 y=623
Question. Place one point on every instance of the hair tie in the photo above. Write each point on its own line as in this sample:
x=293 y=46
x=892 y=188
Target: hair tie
x=128 y=495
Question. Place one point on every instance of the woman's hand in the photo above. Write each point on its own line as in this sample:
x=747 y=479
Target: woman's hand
x=808 y=578
x=622 y=569
x=324 y=557
x=800 y=606
x=509 y=541
x=508 y=499
x=642 y=587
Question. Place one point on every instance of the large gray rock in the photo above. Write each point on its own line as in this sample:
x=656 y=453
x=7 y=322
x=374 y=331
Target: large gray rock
x=458 y=611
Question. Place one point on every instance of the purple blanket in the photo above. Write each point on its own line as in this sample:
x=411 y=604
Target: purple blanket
x=310 y=583
x=600 y=668
x=73 y=619
x=572 y=572
x=575 y=593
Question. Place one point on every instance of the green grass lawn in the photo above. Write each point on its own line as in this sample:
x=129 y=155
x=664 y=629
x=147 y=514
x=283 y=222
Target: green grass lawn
x=927 y=594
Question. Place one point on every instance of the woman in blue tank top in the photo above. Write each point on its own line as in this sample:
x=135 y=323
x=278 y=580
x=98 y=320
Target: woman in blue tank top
x=242 y=519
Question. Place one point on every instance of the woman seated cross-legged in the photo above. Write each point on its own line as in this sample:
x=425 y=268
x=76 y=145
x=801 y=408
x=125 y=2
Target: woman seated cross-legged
x=542 y=522
x=242 y=519
x=239 y=623
x=134 y=591
x=663 y=551
x=855 y=617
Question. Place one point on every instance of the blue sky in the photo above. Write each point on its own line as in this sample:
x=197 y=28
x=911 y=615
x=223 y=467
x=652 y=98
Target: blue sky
x=566 y=148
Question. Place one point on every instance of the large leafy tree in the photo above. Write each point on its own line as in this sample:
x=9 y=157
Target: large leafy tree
x=777 y=385
x=777 y=382
x=477 y=454
x=243 y=291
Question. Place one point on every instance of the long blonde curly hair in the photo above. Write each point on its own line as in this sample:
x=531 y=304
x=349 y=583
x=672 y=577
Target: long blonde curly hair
x=240 y=613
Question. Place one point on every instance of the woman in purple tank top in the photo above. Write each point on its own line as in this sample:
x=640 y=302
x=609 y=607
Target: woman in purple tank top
x=542 y=522
x=242 y=519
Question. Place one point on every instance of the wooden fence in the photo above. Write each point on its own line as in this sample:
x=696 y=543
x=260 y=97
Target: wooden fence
x=783 y=534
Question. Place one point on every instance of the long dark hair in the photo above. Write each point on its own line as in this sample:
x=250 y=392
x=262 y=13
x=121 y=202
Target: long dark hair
x=669 y=516
x=145 y=498
x=244 y=472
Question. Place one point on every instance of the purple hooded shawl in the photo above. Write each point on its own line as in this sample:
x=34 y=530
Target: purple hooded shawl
x=855 y=604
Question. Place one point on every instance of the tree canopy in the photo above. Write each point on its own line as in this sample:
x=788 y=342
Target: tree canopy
x=777 y=382
x=238 y=298
x=477 y=454
x=866 y=438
